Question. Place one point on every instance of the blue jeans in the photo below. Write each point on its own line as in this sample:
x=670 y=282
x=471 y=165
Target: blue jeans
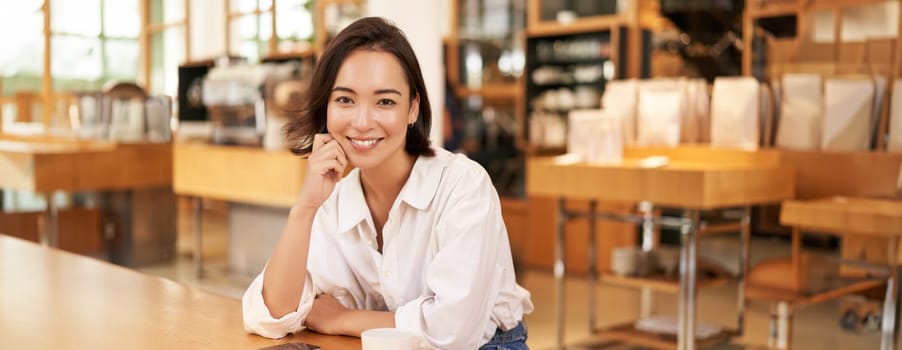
x=514 y=339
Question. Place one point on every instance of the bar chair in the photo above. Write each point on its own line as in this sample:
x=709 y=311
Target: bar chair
x=788 y=284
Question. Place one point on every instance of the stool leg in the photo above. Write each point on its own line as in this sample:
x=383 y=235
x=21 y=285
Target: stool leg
x=745 y=239
x=780 y=336
x=559 y=271
x=649 y=241
x=593 y=267
x=890 y=303
x=49 y=235
x=688 y=271
x=198 y=238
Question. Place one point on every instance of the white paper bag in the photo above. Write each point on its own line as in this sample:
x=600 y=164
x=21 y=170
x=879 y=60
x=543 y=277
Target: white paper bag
x=659 y=117
x=547 y=129
x=607 y=147
x=800 y=112
x=582 y=125
x=735 y=105
x=620 y=100
x=848 y=104
x=595 y=136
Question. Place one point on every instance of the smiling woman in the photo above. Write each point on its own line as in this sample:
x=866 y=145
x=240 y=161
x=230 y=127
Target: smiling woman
x=412 y=238
x=370 y=121
x=373 y=38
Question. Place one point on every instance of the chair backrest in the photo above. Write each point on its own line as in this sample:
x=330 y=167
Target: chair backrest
x=123 y=111
x=25 y=101
x=866 y=174
x=123 y=90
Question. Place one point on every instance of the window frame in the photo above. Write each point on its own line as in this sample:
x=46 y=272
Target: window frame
x=150 y=28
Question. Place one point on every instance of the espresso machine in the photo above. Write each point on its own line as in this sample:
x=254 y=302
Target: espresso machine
x=234 y=101
x=245 y=102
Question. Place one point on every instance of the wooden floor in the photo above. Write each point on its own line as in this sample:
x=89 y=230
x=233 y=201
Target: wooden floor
x=816 y=327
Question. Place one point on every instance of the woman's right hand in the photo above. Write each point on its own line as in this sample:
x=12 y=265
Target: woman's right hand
x=325 y=167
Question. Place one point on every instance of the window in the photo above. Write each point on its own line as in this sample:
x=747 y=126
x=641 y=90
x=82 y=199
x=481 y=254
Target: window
x=167 y=44
x=92 y=42
x=252 y=23
x=21 y=36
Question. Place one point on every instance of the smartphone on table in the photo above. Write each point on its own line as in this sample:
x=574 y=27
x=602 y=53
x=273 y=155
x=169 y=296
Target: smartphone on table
x=292 y=346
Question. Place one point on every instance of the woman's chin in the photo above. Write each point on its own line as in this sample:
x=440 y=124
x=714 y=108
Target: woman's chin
x=362 y=164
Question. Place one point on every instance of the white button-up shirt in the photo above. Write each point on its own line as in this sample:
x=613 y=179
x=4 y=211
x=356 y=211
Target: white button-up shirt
x=445 y=268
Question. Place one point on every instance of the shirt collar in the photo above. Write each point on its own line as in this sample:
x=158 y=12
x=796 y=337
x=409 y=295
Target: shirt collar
x=424 y=179
x=418 y=191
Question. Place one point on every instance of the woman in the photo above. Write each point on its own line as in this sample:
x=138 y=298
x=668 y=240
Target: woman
x=411 y=238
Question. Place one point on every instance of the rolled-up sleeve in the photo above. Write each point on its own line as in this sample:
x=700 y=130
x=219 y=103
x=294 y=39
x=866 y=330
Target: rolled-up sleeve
x=463 y=276
x=257 y=318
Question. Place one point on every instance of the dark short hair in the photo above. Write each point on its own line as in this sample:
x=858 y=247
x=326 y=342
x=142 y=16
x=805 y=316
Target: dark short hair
x=369 y=33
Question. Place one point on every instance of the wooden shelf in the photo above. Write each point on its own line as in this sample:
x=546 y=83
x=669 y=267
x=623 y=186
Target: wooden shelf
x=664 y=283
x=627 y=333
x=758 y=8
x=495 y=92
x=842 y=287
x=581 y=25
x=718 y=228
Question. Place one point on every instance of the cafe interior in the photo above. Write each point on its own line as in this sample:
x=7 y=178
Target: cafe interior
x=673 y=174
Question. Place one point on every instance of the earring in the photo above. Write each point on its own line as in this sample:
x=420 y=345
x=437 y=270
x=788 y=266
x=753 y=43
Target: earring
x=411 y=125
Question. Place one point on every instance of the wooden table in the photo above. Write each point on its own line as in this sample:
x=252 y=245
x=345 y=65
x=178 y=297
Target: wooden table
x=693 y=179
x=52 y=299
x=851 y=216
x=46 y=164
x=863 y=216
x=234 y=174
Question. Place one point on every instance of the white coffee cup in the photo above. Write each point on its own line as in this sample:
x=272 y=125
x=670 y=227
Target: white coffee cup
x=625 y=260
x=387 y=339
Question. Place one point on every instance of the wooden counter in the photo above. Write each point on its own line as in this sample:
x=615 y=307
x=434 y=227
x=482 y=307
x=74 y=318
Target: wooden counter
x=686 y=184
x=234 y=174
x=44 y=166
x=56 y=300
x=237 y=174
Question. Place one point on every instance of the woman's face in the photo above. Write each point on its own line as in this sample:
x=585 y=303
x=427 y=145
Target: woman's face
x=370 y=108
